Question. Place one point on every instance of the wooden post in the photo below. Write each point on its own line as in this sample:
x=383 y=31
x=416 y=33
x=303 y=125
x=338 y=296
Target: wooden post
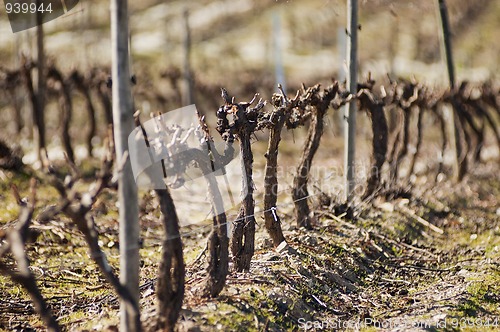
x=278 y=52
x=188 y=97
x=350 y=112
x=39 y=118
x=445 y=26
x=460 y=163
x=18 y=109
x=338 y=117
x=392 y=114
x=123 y=123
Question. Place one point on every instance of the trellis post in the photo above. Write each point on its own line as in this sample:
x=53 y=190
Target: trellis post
x=350 y=110
x=123 y=124
x=460 y=162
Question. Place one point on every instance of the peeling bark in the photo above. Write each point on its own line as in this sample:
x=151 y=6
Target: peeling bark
x=218 y=242
x=419 y=141
x=275 y=120
x=379 y=141
x=245 y=119
x=319 y=104
x=170 y=287
x=444 y=141
x=82 y=86
x=66 y=108
x=37 y=106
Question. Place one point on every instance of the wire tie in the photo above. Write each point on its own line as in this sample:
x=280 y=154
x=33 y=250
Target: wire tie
x=273 y=211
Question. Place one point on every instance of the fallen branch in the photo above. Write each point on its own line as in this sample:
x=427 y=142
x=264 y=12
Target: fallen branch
x=417 y=218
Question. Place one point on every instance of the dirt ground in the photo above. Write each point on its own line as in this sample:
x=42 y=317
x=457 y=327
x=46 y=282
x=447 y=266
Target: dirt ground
x=428 y=260
x=383 y=271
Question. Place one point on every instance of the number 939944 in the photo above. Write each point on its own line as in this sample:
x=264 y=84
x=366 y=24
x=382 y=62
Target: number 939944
x=31 y=7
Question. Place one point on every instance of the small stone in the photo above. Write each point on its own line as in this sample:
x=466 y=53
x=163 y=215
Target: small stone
x=404 y=202
x=386 y=206
x=282 y=247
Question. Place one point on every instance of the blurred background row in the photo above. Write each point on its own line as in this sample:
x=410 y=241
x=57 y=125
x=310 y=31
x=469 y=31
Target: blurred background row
x=246 y=46
x=398 y=37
